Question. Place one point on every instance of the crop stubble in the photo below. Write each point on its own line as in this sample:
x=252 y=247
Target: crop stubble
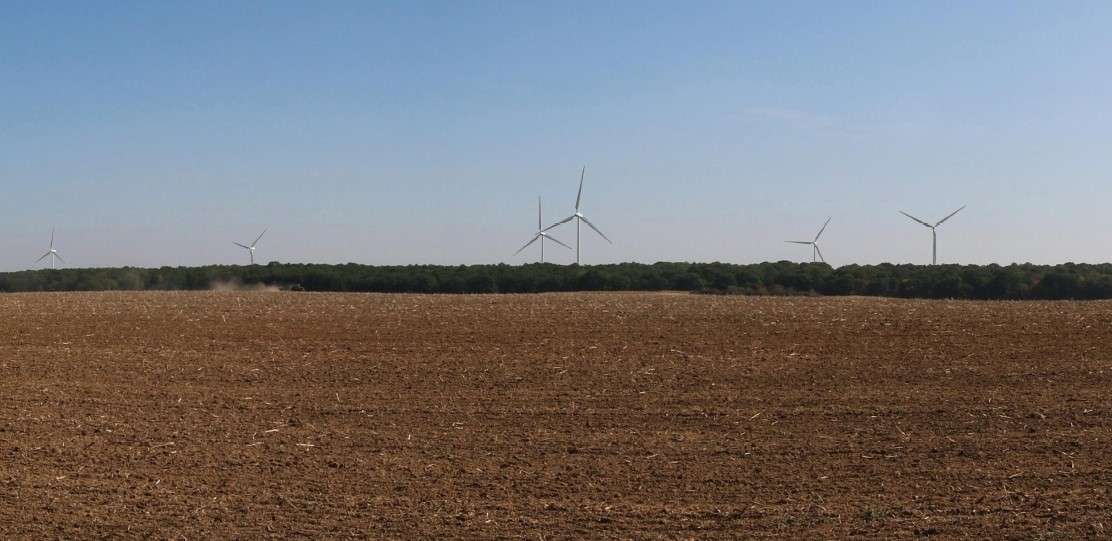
x=557 y=416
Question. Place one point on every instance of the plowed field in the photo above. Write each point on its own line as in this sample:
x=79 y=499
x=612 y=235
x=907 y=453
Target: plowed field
x=568 y=416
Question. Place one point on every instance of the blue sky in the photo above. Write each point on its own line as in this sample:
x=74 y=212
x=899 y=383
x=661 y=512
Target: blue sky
x=156 y=133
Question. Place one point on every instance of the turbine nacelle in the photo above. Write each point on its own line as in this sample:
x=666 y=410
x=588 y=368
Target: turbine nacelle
x=934 y=231
x=251 y=249
x=579 y=218
x=816 y=253
x=52 y=253
x=540 y=235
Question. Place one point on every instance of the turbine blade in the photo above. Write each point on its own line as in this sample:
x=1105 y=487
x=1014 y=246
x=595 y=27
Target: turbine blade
x=823 y=229
x=579 y=196
x=245 y=247
x=950 y=216
x=821 y=258
x=51 y=239
x=59 y=258
x=561 y=222
x=44 y=256
x=557 y=241
x=799 y=241
x=259 y=237
x=528 y=244
x=539 y=226
x=916 y=219
x=592 y=226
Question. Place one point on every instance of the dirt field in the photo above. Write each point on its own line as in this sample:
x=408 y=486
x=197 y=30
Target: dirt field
x=625 y=416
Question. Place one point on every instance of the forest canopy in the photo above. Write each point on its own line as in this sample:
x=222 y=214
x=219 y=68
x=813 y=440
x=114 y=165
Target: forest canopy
x=1021 y=281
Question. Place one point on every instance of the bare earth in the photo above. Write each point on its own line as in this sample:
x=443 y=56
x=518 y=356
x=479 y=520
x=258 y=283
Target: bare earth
x=568 y=416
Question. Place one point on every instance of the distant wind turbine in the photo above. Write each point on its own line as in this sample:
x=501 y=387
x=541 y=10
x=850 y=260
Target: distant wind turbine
x=816 y=253
x=52 y=253
x=934 y=232
x=579 y=217
x=251 y=248
x=541 y=235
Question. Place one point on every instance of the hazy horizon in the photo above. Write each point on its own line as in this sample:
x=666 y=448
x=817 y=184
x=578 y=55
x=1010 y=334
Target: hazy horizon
x=154 y=135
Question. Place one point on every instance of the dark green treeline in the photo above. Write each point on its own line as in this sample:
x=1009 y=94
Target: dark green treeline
x=1066 y=281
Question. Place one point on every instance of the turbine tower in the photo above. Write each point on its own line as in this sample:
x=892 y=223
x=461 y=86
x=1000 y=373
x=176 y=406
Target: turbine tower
x=816 y=253
x=579 y=217
x=52 y=254
x=934 y=232
x=541 y=235
x=251 y=248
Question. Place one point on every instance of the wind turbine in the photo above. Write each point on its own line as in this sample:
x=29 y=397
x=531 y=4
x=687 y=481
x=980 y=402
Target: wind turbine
x=579 y=217
x=934 y=232
x=52 y=253
x=541 y=235
x=816 y=254
x=251 y=248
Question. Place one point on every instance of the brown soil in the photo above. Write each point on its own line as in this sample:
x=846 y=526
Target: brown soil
x=568 y=416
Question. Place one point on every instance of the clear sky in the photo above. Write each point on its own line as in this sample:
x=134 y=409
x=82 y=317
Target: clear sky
x=156 y=133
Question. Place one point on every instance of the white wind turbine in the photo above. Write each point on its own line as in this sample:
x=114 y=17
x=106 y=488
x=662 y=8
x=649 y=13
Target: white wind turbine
x=251 y=248
x=816 y=254
x=52 y=253
x=934 y=232
x=579 y=217
x=541 y=235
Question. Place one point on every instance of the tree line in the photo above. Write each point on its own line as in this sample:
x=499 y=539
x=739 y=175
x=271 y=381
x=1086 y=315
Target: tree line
x=1026 y=281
